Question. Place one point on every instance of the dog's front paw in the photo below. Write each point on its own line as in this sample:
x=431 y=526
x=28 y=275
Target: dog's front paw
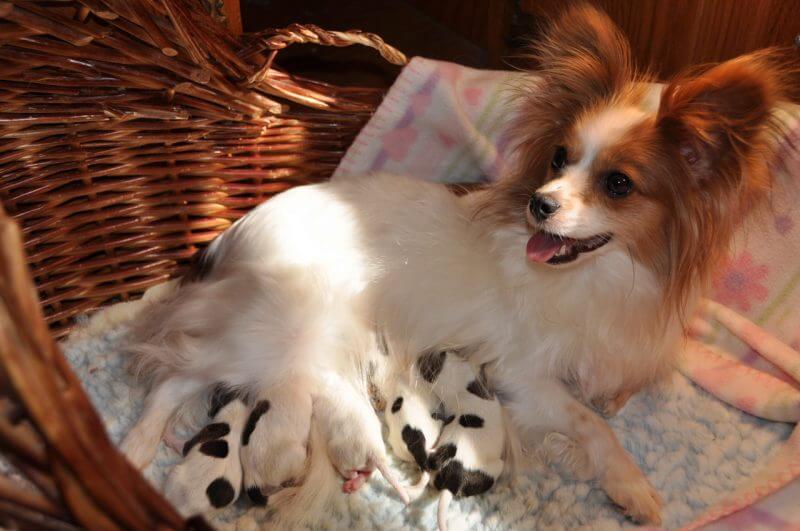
x=630 y=490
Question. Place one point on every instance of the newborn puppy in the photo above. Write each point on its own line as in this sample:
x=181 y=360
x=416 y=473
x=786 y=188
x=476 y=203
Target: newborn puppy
x=275 y=439
x=469 y=454
x=352 y=433
x=413 y=417
x=210 y=476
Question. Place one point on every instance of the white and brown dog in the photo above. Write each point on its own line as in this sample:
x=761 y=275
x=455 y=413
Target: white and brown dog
x=580 y=266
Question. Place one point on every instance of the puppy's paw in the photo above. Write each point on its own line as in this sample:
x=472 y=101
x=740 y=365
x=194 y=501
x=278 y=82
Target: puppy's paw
x=561 y=452
x=356 y=481
x=630 y=490
x=608 y=406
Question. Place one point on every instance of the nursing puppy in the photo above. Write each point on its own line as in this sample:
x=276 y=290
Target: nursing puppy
x=581 y=265
x=275 y=438
x=415 y=419
x=210 y=475
x=468 y=458
x=352 y=434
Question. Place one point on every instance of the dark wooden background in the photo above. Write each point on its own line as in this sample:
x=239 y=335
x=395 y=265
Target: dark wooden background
x=666 y=35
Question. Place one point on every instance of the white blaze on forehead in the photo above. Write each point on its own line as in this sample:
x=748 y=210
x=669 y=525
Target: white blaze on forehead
x=595 y=132
x=599 y=131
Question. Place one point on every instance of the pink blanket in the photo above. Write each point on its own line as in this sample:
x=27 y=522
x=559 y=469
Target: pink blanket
x=443 y=122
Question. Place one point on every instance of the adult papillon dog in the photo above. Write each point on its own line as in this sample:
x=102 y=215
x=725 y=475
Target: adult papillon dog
x=571 y=281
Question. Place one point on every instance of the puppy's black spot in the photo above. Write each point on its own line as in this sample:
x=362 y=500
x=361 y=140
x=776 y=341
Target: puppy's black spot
x=259 y=410
x=415 y=442
x=479 y=389
x=213 y=431
x=397 y=404
x=430 y=365
x=476 y=482
x=220 y=397
x=441 y=455
x=441 y=415
x=196 y=523
x=450 y=477
x=218 y=448
x=256 y=496
x=470 y=421
x=220 y=492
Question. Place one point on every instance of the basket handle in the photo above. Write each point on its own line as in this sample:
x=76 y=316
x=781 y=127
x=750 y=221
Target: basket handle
x=278 y=39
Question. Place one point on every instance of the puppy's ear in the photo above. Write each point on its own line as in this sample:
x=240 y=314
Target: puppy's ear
x=583 y=56
x=722 y=117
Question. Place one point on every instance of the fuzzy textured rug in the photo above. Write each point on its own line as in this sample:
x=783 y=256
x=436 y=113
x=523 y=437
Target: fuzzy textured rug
x=693 y=447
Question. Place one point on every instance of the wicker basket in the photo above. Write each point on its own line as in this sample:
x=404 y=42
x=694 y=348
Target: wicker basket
x=131 y=133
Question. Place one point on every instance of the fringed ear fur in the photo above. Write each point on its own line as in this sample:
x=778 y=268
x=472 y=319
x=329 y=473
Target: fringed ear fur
x=721 y=119
x=721 y=127
x=584 y=56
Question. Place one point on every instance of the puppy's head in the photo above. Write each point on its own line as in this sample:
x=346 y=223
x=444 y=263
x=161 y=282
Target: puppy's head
x=607 y=162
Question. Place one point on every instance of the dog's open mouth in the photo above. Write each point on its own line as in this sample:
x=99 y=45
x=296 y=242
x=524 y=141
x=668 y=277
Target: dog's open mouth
x=544 y=247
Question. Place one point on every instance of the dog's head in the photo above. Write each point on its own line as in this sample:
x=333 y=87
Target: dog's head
x=607 y=162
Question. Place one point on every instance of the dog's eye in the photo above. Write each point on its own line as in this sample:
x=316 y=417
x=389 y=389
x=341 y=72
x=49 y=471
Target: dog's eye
x=559 y=158
x=618 y=185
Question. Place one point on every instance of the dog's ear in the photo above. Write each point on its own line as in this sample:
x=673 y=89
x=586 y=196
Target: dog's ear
x=583 y=56
x=721 y=117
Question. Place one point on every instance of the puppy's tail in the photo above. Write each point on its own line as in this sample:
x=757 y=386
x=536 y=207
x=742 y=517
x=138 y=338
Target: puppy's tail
x=389 y=476
x=444 y=504
x=316 y=497
x=416 y=490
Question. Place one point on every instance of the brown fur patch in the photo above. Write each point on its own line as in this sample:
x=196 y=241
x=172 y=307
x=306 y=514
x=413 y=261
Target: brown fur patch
x=698 y=165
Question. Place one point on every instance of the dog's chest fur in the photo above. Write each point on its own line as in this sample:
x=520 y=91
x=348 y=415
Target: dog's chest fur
x=597 y=323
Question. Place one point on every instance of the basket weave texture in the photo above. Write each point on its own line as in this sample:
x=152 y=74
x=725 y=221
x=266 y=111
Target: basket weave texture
x=131 y=132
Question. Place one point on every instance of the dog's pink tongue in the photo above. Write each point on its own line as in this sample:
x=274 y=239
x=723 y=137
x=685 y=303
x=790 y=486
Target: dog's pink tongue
x=542 y=247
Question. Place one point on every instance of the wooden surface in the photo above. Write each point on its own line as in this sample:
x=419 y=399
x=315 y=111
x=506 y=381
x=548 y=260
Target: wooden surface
x=669 y=35
x=400 y=23
x=666 y=35
x=485 y=23
x=233 y=16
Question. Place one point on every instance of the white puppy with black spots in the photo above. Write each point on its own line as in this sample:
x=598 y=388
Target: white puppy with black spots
x=275 y=439
x=210 y=476
x=468 y=458
x=414 y=418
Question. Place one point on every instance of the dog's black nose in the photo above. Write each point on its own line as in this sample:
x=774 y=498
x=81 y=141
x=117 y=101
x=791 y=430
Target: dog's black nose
x=543 y=206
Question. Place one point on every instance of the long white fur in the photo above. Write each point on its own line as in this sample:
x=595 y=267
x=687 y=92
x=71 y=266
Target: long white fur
x=301 y=282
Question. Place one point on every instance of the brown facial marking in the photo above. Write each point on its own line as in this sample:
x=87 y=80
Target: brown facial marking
x=698 y=165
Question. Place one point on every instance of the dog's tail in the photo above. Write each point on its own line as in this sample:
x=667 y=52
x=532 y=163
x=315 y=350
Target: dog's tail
x=319 y=494
x=445 y=497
